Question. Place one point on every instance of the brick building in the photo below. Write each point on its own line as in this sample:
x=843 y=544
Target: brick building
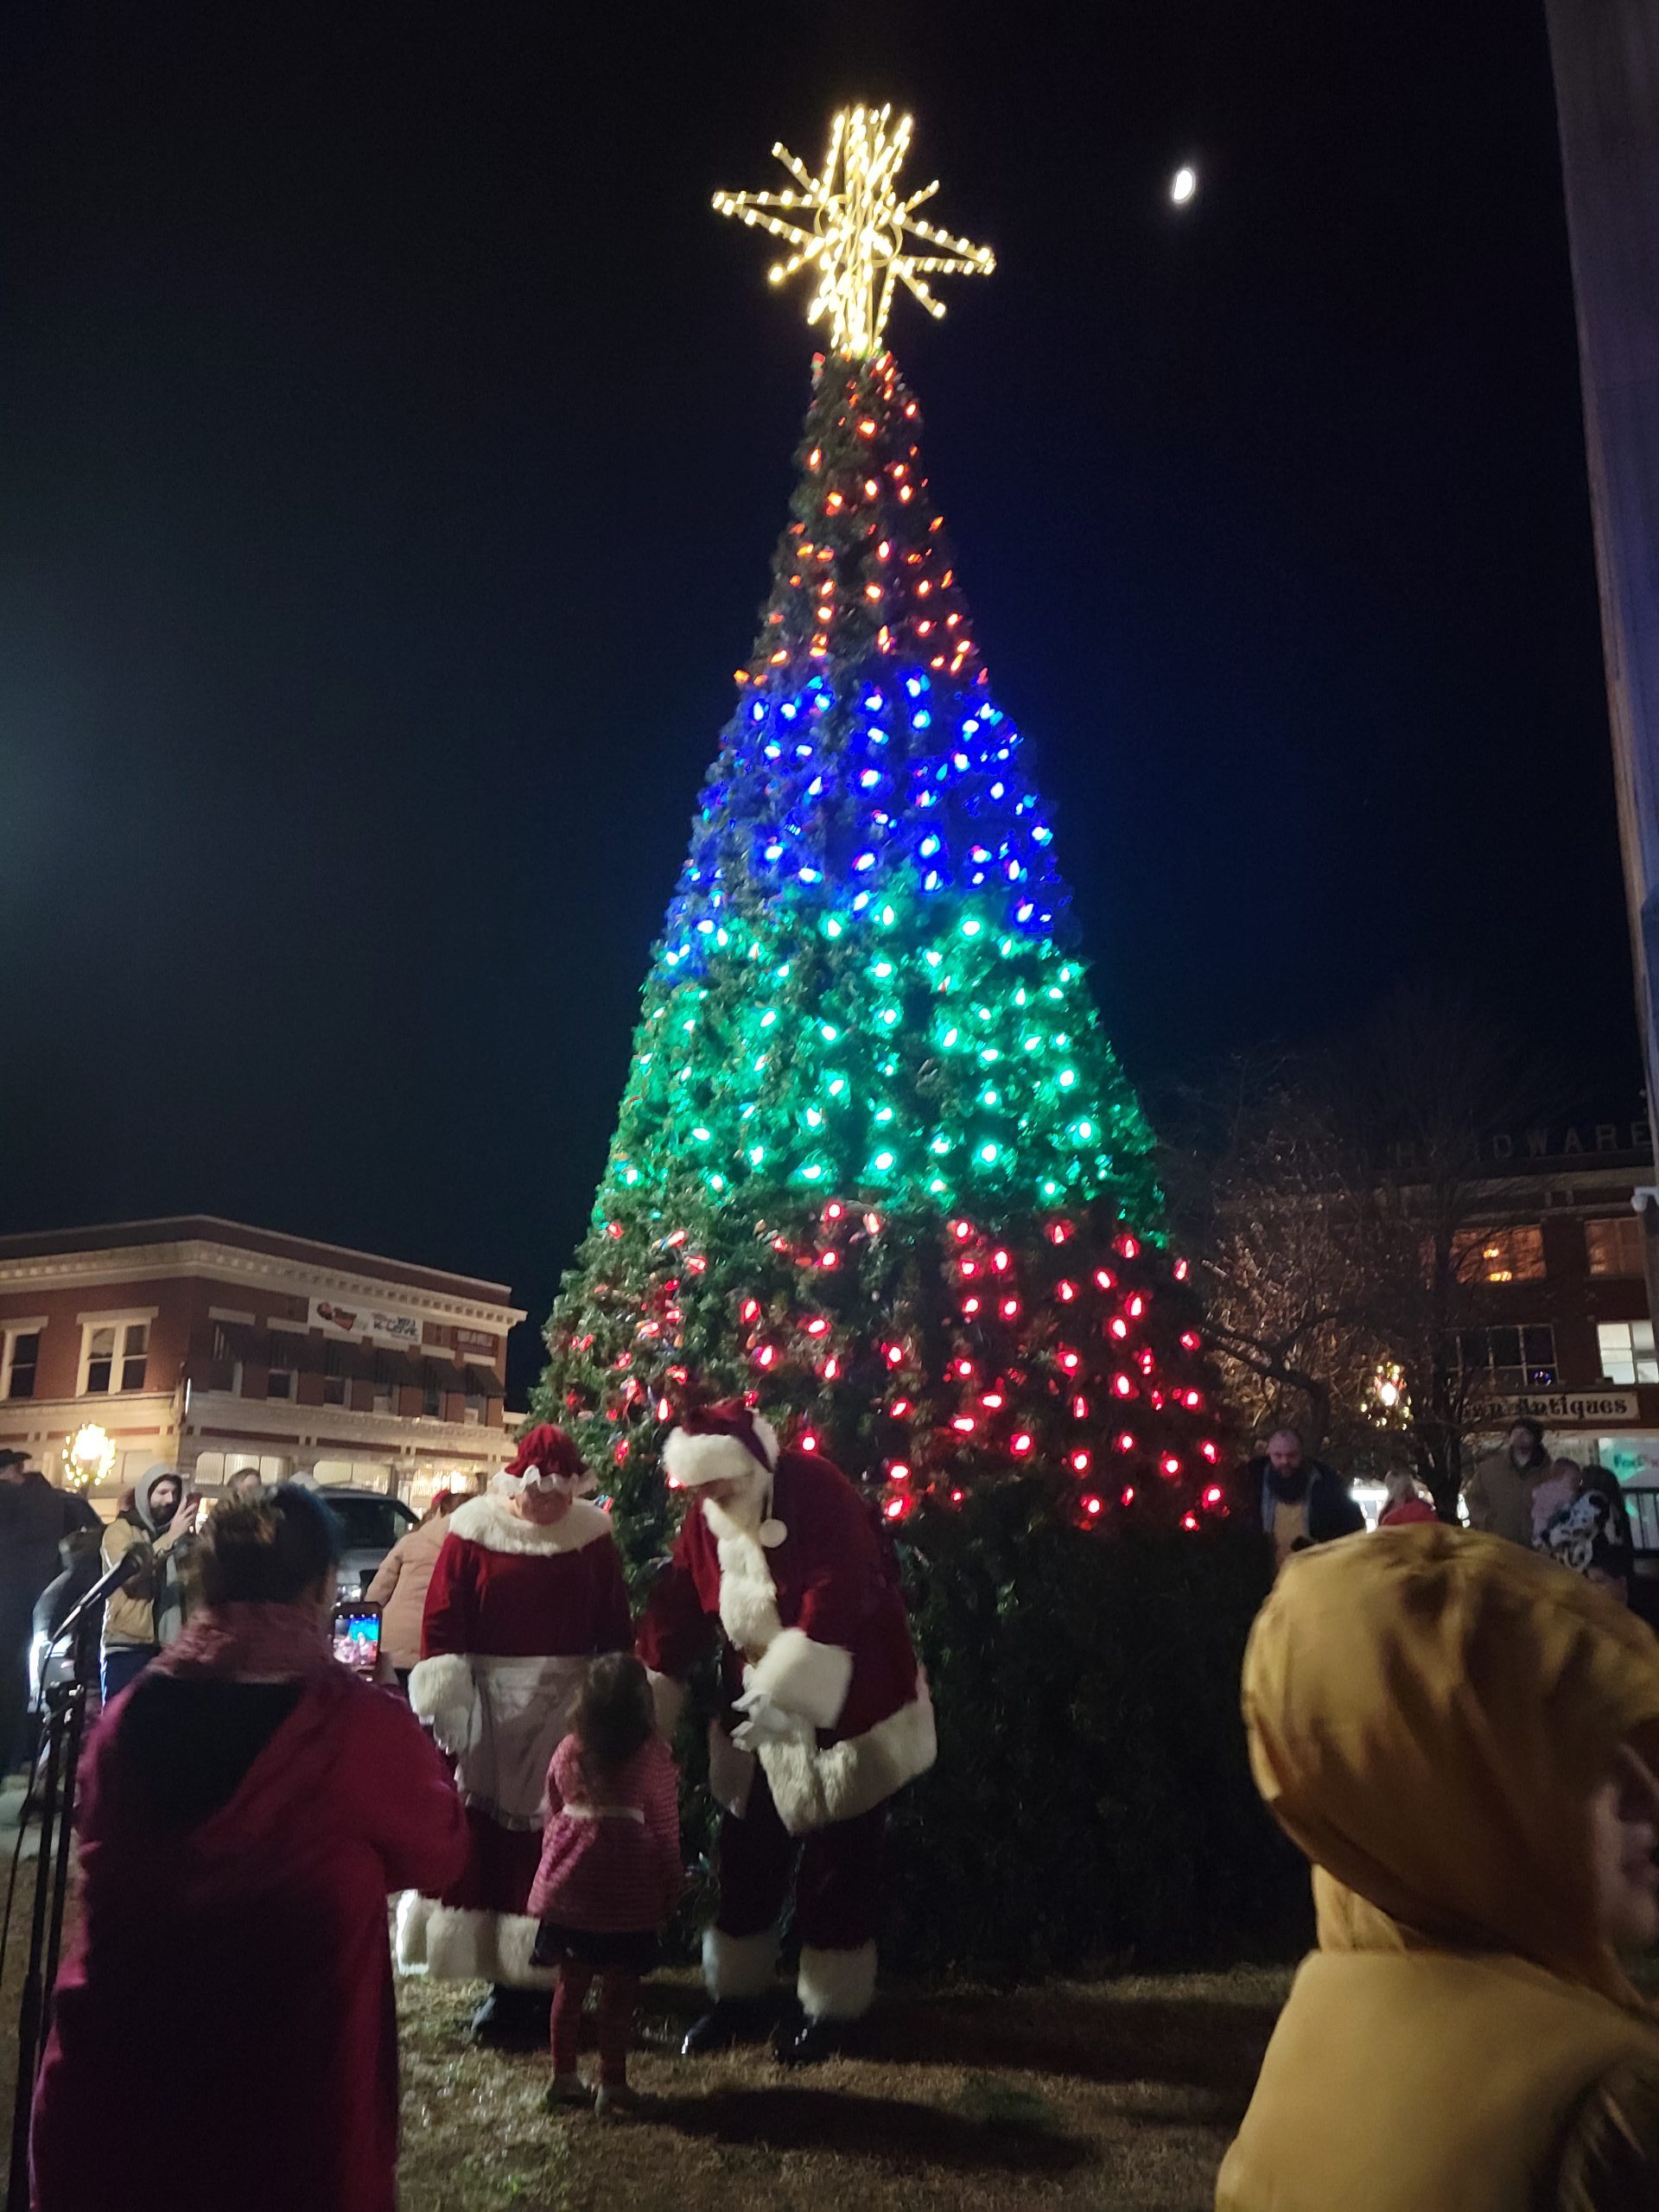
x=1566 y=1333
x=215 y=1347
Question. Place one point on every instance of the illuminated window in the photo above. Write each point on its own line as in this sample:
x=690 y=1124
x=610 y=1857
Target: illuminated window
x=20 y=1354
x=1499 y=1255
x=1627 y=1351
x=1614 y=1247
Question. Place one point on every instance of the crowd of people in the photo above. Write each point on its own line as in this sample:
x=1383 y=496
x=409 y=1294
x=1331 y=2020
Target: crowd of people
x=249 y=1804
x=1462 y=1738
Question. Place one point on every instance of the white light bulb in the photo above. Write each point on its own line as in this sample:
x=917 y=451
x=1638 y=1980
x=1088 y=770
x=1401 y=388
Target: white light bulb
x=1183 y=185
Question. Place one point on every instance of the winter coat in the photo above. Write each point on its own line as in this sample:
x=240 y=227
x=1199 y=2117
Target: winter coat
x=151 y=1610
x=817 y=1622
x=514 y=1613
x=1332 y=1511
x=259 y=1931
x=401 y=1582
x=1427 y=1713
x=610 y=1862
x=34 y=1518
x=1499 y=1494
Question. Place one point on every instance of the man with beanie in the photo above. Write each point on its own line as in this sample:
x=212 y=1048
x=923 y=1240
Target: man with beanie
x=827 y=1715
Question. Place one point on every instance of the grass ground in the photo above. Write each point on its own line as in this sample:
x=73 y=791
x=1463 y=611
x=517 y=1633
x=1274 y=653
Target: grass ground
x=1120 y=2094
x=1117 y=2096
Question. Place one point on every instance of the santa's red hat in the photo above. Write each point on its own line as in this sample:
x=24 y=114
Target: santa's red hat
x=729 y=1442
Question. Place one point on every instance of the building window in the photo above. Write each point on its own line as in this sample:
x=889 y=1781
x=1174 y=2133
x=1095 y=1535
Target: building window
x=22 y=1355
x=114 y=1356
x=1627 y=1352
x=135 y=1355
x=279 y=1382
x=334 y=1389
x=1504 y=1363
x=1499 y=1255
x=1614 y=1247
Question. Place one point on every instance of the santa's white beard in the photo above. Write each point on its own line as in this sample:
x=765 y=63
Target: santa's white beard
x=741 y=1516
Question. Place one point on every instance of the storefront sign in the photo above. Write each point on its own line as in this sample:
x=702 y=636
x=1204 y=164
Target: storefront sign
x=476 y=1341
x=336 y=1319
x=1557 y=1406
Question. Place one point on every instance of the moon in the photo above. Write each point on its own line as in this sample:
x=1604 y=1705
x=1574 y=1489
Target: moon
x=1183 y=185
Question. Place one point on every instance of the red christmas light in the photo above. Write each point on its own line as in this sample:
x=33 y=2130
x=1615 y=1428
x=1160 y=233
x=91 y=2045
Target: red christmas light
x=1169 y=1465
x=1105 y=1278
x=1065 y=1292
x=1081 y=1462
x=1129 y=1494
x=1019 y=1444
x=1093 y=1507
x=898 y=1472
x=964 y=1424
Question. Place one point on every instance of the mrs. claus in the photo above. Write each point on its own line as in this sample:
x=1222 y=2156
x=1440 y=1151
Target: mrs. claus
x=527 y=1589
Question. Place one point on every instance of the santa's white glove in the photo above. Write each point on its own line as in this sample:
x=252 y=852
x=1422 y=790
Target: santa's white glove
x=766 y=1723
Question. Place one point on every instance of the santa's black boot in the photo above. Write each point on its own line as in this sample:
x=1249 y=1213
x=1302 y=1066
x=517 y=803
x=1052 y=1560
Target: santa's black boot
x=511 y=2020
x=802 y=2040
x=729 y=2021
x=836 y=1988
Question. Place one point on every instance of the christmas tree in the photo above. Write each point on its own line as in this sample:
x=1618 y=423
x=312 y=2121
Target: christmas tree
x=876 y=1166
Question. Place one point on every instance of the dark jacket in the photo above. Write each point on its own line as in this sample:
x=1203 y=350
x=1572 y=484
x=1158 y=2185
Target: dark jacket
x=1331 y=1508
x=34 y=1518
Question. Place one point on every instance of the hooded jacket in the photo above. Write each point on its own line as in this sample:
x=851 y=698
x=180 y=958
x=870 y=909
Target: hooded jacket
x=1429 y=1713
x=151 y=1610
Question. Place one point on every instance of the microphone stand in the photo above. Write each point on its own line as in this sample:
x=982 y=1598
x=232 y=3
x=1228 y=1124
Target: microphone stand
x=63 y=1728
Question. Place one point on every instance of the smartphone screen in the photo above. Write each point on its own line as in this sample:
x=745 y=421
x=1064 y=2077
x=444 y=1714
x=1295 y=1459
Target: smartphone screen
x=357 y=1636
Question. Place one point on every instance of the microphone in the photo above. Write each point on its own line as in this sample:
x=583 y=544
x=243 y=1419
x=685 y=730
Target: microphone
x=134 y=1561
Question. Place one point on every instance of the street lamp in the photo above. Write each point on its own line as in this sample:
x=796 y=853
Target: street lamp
x=89 y=1457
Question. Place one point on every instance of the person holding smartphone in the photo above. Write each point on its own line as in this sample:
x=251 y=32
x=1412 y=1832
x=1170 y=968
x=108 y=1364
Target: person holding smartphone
x=149 y=1612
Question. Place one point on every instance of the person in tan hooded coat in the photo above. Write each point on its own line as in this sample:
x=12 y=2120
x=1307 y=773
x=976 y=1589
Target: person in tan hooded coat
x=1461 y=1738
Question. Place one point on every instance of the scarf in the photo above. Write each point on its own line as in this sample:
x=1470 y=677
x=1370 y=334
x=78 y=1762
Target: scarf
x=250 y=1643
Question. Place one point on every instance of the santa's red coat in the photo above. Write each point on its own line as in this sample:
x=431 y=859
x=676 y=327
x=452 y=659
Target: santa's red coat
x=514 y=1612
x=817 y=1621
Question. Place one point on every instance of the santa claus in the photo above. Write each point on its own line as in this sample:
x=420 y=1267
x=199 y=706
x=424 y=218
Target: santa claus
x=828 y=1716
x=527 y=1589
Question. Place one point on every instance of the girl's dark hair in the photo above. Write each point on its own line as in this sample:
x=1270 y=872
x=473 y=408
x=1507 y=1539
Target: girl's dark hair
x=266 y=1550
x=613 y=1716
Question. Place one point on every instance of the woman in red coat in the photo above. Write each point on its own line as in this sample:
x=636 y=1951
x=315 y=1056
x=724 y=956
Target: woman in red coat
x=249 y=1804
x=528 y=1588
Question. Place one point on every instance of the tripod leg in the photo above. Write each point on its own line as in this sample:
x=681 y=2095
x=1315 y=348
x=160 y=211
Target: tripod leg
x=77 y=1716
x=29 y=2018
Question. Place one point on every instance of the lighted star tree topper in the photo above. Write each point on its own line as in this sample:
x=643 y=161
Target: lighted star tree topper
x=875 y=1164
x=858 y=243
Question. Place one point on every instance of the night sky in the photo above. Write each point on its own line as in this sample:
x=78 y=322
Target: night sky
x=394 y=444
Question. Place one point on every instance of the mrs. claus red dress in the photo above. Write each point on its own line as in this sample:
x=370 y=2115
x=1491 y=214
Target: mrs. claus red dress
x=514 y=1613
